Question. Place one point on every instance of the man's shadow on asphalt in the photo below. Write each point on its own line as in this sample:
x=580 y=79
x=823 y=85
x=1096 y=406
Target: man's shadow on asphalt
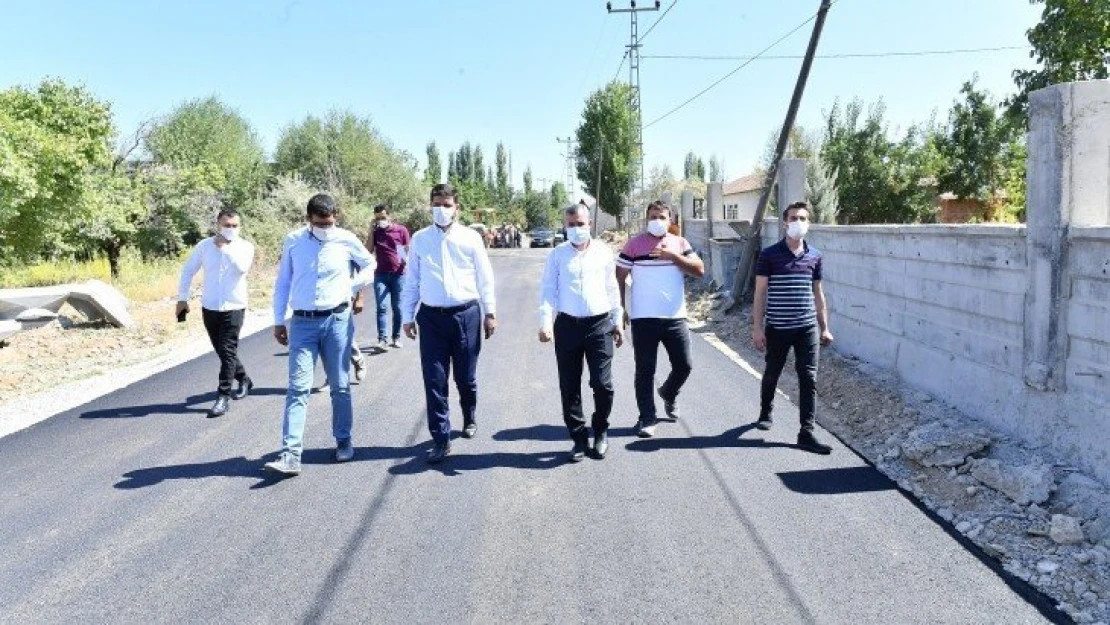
x=191 y=404
x=728 y=439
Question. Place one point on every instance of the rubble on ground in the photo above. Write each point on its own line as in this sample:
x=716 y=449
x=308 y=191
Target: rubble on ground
x=1045 y=522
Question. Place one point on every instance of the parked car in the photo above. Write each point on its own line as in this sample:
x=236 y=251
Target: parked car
x=542 y=238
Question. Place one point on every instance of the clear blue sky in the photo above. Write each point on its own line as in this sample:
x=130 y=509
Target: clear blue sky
x=516 y=71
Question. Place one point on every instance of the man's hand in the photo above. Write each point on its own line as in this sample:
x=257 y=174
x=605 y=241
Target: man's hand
x=219 y=240
x=826 y=338
x=356 y=304
x=663 y=253
x=545 y=336
x=181 y=307
x=618 y=337
x=491 y=325
x=281 y=335
x=410 y=330
x=759 y=338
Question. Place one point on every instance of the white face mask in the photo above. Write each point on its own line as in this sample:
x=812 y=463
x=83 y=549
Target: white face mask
x=383 y=223
x=578 y=235
x=229 y=234
x=797 y=229
x=443 y=215
x=323 y=233
x=658 y=227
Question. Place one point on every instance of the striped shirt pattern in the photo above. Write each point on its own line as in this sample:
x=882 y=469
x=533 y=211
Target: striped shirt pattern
x=658 y=288
x=790 y=281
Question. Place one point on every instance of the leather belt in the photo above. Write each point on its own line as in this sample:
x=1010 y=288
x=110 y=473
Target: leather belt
x=321 y=313
x=449 y=310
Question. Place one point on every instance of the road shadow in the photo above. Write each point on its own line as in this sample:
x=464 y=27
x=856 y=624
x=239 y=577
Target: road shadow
x=252 y=468
x=457 y=464
x=544 y=432
x=836 y=481
x=191 y=404
x=727 y=439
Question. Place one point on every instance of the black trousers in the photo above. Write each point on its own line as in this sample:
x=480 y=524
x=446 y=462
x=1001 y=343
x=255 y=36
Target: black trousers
x=451 y=338
x=806 y=345
x=647 y=334
x=589 y=338
x=223 y=330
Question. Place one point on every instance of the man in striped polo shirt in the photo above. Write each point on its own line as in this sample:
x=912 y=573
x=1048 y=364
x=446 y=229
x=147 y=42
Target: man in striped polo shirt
x=658 y=262
x=790 y=312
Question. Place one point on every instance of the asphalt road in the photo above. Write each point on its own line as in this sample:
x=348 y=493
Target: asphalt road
x=136 y=508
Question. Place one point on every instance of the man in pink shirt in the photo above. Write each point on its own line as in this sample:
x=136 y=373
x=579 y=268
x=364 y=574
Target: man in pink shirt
x=658 y=263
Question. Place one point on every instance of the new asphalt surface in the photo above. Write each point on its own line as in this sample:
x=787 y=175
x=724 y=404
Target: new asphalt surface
x=136 y=508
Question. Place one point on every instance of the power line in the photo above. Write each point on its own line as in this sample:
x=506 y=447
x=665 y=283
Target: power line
x=857 y=55
x=618 y=72
x=643 y=36
x=729 y=75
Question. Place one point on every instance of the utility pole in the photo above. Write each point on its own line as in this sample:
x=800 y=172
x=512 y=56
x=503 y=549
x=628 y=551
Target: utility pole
x=745 y=266
x=571 y=156
x=634 y=79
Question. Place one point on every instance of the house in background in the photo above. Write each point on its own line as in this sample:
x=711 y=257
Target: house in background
x=741 y=196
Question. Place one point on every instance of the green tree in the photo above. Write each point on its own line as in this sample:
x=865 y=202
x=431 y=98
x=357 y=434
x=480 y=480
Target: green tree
x=208 y=132
x=972 y=146
x=716 y=169
x=51 y=139
x=434 y=173
x=345 y=154
x=501 y=161
x=821 y=191
x=607 y=146
x=1070 y=43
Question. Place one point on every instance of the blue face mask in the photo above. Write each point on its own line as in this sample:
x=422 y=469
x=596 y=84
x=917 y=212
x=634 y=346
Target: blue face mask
x=578 y=235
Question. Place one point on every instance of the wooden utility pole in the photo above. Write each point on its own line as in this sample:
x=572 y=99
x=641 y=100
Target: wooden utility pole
x=741 y=284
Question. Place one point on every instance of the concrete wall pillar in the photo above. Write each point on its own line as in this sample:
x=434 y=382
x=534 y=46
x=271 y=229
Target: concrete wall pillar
x=714 y=208
x=791 y=183
x=1068 y=184
x=687 y=200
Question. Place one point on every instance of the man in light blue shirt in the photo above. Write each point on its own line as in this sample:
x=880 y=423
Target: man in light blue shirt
x=314 y=279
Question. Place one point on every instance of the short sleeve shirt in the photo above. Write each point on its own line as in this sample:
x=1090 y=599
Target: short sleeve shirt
x=790 y=279
x=658 y=286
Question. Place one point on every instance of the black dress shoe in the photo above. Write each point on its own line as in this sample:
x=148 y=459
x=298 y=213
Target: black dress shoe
x=470 y=428
x=765 y=422
x=439 y=453
x=219 y=408
x=245 y=386
x=601 y=445
x=578 y=453
x=809 y=442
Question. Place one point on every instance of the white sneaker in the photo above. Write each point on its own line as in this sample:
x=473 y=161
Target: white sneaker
x=396 y=343
x=360 y=369
x=382 y=345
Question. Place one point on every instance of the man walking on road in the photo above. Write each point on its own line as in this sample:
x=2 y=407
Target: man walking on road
x=389 y=243
x=658 y=262
x=448 y=274
x=226 y=258
x=580 y=305
x=790 y=313
x=315 y=279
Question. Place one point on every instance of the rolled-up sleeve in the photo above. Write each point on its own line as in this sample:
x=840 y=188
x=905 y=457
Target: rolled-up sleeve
x=485 y=279
x=549 y=291
x=283 y=283
x=410 y=290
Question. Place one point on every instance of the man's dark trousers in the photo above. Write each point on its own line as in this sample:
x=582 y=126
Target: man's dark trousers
x=806 y=345
x=589 y=338
x=223 y=330
x=647 y=334
x=449 y=337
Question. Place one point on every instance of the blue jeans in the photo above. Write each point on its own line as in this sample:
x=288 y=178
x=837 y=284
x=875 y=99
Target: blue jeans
x=329 y=338
x=388 y=285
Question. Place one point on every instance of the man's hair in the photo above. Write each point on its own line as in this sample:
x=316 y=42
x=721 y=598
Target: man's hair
x=795 y=206
x=322 y=205
x=227 y=212
x=381 y=208
x=659 y=205
x=574 y=209
x=444 y=189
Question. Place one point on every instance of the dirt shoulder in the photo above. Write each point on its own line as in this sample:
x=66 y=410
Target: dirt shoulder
x=1039 y=518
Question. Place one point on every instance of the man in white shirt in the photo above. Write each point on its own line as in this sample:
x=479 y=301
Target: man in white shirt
x=580 y=305
x=658 y=262
x=448 y=275
x=226 y=258
x=315 y=280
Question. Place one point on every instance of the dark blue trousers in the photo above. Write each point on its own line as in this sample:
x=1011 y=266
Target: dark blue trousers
x=449 y=338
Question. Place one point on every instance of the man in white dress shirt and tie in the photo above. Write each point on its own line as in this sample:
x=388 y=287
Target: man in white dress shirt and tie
x=448 y=275
x=226 y=258
x=315 y=280
x=580 y=306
